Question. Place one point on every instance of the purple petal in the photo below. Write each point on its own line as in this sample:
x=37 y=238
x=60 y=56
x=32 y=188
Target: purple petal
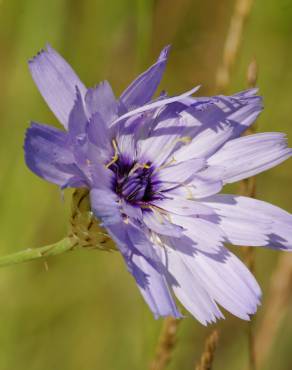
x=222 y=119
x=140 y=239
x=178 y=174
x=157 y=104
x=204 y=233
x=250 y=155
x=156 y=222
x=187 y=286
x=201 y=187
x=227 y=280
x=159 y=144
x=207 y=182
x=126 y=140
x=48 y=154
x=144 y=86
x=78 y=134
x=131 y=210
x=105 y=206
x=247 y=221
x=75 y=182
x=98 y=134
x=101 y=100
x=100 y=175
x=153 y=286
x=150 y=280
x=77 y=118
x=183 y=207
x=56 y=81
x=203 y=184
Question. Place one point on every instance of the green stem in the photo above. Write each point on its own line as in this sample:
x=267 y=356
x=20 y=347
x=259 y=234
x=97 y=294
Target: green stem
x=26 y=255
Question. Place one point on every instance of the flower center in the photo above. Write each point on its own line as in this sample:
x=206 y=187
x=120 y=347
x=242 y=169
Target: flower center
x=134 y=181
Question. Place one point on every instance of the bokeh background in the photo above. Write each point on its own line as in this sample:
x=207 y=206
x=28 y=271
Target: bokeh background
x=84 y=312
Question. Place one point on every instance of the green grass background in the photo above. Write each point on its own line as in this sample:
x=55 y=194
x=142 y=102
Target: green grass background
x=85 y=312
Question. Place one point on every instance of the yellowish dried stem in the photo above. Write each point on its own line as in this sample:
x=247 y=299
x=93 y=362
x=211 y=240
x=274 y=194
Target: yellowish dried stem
x=276 y=307
x=232 y=44
x=166 y=344
x=207 y=357
x=247 y=187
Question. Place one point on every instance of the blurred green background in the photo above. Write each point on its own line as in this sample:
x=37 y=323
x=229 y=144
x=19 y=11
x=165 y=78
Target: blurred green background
x=85 y=312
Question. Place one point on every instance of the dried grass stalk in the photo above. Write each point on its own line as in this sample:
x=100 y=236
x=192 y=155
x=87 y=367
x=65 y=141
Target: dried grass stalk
x=280 y=287
x=247 y=187
x=207 y=356
x=234 y=36
x=166 y=344
x=276 y=307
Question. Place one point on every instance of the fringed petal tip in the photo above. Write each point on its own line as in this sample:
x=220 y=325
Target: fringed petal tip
x=179 y=315
x=47 y=49
x=142 y=89
x=35 y=57
x=164 y=53
x=56 y=82
x=247 y=156
x=251 y=98
x=249 y=94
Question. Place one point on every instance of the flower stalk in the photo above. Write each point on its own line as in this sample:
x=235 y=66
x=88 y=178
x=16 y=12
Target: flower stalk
x=30 y=254
x=84 y=231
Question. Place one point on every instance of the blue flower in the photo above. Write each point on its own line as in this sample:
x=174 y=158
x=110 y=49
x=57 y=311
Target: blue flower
x=154 y=168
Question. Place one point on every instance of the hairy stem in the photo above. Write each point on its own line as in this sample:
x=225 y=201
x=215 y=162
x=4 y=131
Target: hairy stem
x=31 y=254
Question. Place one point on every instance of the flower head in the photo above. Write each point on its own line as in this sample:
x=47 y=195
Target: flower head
x=153 y=168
